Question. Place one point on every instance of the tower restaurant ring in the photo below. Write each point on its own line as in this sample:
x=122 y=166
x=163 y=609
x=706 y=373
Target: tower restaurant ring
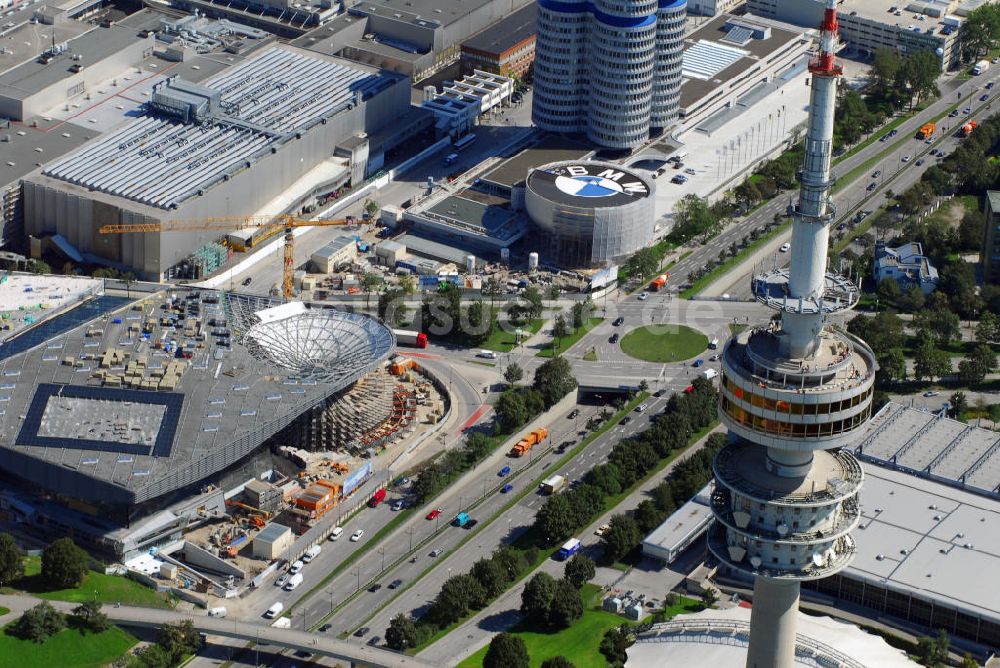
x=593 y=213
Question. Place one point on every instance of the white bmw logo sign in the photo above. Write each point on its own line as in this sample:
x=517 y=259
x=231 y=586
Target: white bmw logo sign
x=597 y=181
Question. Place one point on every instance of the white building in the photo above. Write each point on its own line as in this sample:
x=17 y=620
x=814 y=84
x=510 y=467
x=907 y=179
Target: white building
x=684 y=526
x=609 y=69
x=461 y=102
x=907 y=265
x=334 y=255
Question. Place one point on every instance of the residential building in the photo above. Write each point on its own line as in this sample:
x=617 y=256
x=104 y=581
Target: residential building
x=507 y=47
x=907 y=265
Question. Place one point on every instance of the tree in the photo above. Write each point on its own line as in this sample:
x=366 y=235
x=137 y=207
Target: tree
x=942 y=325
x=933 y=651
x=493 y=288
x=11 y=560
x=885 y=72
x=153 y=656
x=614 y=643
x=579 y=570
x=64 y=564
x=534 y=299
x=693 y=217
x=402 y=633
x=642 y=263
x=554 y=380
x=621 y=538
x=536 y=597
x=891 y=366
x=888 y=291
x=560 y=328
x=565 y=607
x=959 y=403
x=457 y=596
x=558 y=662
x=491 y=576
x=89 y=615
x=178 y=640
x=930 y=362
x=709 y=597
x=553 y=293
x=390 y=307
x=38 y=267
x=511 y=411
x=580 y=313
x=407 y=284
x=513 y=373
x=967 y=662
x=370 y=282
x=39 y=622
x=480 y=323
x=922 y=70
x=980 y=32
x=506 y=651
x=555 y=519
x=912 y=300
x=979 y=363
x=647 y=516
x=988 y=328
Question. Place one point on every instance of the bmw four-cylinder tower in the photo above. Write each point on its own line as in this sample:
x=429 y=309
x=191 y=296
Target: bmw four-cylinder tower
x=793 y=394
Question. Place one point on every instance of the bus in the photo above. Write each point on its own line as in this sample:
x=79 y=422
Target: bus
x=464 y=142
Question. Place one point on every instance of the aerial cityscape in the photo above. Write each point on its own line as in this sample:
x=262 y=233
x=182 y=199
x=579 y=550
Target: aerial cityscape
x=499 y=333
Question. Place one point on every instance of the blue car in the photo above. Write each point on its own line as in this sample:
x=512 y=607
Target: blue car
x=506 y=488
x=698 y=362
x=505 y=471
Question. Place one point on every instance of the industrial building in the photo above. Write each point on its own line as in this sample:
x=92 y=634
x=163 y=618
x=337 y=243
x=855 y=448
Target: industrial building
x=609 y=70
x=793 y=394
x=334 y=255
x=591 y=213
x=272 y=542
x=226 y=146
x=172 y=390
x=866 y=26
x=989 y=255
x=682 y=528
x=507 y=47
x=712 y=7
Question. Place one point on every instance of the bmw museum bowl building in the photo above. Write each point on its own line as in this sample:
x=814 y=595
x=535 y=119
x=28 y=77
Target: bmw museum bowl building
x=593 y=212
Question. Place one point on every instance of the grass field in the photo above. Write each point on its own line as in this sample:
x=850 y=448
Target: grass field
x=579 y=643
x=95 y=586
x=69 y=647
x=503 y=341
x=664 y=343
x=568 y=341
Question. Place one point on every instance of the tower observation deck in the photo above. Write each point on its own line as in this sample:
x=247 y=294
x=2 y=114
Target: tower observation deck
x=793 y=394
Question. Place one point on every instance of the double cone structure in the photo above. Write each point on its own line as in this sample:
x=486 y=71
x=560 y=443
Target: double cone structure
x=793 y=394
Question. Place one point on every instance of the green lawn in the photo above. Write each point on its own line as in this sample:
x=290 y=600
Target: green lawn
x=69 y=647
x=503 y=341
x=565 y=343
x=664 y=343
x=579 y=643
x=104 y=588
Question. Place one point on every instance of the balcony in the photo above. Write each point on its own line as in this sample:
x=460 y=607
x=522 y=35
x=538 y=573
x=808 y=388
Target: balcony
x=823 y=565
x=846 y=522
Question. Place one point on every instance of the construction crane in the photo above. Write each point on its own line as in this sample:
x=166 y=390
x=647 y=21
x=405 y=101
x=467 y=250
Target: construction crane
x=227 y=223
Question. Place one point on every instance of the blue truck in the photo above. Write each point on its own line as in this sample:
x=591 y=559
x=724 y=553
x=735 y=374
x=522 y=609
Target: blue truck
x=569 y=548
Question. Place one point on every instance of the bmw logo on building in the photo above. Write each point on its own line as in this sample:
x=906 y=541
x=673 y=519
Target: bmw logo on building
x=593 y=212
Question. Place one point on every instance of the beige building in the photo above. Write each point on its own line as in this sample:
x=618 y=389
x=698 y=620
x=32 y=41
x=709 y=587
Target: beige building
x=272 y=541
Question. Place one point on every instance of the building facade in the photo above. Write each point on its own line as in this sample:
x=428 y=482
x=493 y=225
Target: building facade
x=907 y=265
x=598 y=64
x=507 y=47
x=990 y=253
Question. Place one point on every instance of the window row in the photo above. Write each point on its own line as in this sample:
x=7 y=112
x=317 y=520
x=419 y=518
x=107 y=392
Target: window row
x=781 y=428
x=767 y=403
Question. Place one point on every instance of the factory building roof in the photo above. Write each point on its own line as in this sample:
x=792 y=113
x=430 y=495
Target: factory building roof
x=271 y=533
x=334 y=248
x=162 y=161
x=488 y=218
x=553 y=148
x=443 y=12
x=506 y=33
x=935 y=446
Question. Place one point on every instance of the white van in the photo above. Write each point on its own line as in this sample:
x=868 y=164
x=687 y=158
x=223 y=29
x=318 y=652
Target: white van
x=217 y=612
x=336 y=533
x=274 y=610
x=294 y=582
x=487 y=354
x=311 y=553
x=296 y=567
x=713 y=344
x=709 y=374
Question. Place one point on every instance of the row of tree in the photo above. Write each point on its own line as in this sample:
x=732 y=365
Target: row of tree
x=64 y=565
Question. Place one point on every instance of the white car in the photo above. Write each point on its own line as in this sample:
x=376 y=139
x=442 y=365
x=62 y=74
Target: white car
x=784 y=247
x=336 y=533
x=282 y=579
x=906 y=158
x=356 y=536
x=643 y=296
x=601 y=530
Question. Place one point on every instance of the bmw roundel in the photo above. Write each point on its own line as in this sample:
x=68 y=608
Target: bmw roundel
x=602 y=184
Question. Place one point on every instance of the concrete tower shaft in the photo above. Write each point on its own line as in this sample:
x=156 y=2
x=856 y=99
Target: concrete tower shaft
x=792 y=395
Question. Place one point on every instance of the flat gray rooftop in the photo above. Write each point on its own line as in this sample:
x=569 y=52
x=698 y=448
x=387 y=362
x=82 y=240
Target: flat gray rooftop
x=552 y=148
x=27 y=40
x=433 y=250
x=29 y=147
x=94 y=46
x=933 y=445
x=247 y=379
x=506 y=33
x=924 y=537
x=488 y=217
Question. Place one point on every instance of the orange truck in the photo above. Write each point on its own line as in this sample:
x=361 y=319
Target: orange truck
x=927 y=130
x=659 y=282
x=968 y=128
x=533 y=438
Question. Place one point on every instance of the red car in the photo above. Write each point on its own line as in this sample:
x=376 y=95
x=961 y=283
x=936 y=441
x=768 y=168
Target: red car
x=433 y=514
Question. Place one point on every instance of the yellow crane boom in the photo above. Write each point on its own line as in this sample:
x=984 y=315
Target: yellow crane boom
x=229 y=223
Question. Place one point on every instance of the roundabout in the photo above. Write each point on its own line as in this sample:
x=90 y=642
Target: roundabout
x=664 y=343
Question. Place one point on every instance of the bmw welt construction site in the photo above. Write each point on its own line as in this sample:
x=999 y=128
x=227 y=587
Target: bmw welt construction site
x=127 y=423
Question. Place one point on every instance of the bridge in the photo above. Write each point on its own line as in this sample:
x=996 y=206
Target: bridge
x=289 y=638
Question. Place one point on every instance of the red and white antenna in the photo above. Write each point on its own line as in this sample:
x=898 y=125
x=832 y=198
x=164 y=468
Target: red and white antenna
x=824 y=63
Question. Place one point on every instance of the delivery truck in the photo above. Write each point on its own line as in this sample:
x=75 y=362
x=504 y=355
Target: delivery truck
x=528 y=442
x=968 y=128
x=569 y=548
x=405 y=337
x=926 y=131
x=553 y=485
x=659 y=282
x=980 y=67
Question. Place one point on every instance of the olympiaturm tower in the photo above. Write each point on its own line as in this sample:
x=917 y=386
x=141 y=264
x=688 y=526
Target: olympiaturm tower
x=608 y=68
x=793 y=394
